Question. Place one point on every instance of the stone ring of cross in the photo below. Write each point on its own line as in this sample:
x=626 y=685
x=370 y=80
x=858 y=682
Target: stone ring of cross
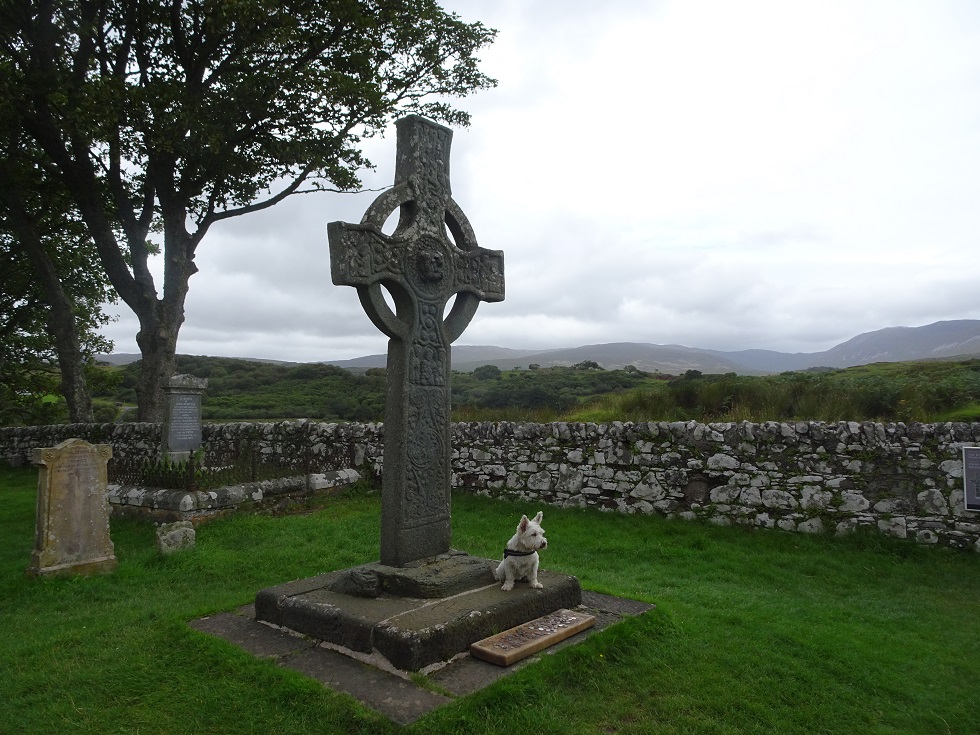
x=430 y=269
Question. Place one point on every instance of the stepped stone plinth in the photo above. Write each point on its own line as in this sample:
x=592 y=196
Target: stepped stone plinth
x=414 y=616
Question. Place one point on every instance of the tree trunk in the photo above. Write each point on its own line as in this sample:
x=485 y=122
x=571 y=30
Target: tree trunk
x=73 y=384
x=61 y=322
x=158 y=346
x=61 y=314
x=161 y=319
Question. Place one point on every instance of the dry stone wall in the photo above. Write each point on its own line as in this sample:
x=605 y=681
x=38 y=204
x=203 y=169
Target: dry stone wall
x=321 y=446
x=905 y=480
x=127 y=440
x=316 y=445
x=810 y=477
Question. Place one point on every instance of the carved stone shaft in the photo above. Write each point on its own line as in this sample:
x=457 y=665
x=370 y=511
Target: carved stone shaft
x=422 y=269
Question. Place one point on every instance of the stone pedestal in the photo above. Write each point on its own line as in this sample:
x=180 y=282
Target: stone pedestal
x=413 y=616
x=72 y=532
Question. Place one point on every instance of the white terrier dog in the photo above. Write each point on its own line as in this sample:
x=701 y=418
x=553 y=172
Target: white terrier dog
x=521 y=554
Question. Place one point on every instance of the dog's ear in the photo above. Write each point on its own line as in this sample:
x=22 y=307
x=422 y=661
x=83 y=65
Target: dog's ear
x=538 y=517
x=523 y=524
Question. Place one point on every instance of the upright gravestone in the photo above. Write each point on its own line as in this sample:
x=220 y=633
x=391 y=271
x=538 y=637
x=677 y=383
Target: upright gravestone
x=422 y=268
x=182 y=419
x=72 y=532
x=423 y=602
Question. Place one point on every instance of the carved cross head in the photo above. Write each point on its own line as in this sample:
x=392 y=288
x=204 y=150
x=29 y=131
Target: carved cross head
x=432 y=254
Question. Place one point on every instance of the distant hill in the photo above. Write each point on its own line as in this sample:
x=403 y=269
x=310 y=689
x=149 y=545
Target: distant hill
x=959 y=338
x=899 y=344
x=124 y=358
x=462 y=354
x=121 y=358
x=672 y=359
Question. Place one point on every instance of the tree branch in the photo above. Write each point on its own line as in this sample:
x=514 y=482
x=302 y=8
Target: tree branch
x=213 y=217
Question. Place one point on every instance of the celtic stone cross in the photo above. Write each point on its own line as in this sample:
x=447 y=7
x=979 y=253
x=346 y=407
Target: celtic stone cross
x=431 y=257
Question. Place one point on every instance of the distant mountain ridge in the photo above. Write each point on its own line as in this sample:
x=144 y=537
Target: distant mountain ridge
x=943 y=339
x=892 y=344
x=954 y=338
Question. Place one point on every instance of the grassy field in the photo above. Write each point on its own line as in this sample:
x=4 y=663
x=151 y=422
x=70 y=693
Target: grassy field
x=928 y=391
x=754 y=632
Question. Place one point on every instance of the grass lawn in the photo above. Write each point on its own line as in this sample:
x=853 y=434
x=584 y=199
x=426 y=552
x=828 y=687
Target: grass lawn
x=754 y=632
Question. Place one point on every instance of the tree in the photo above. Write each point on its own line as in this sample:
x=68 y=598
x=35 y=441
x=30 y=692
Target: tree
x=487 y=372
x=161 y=118
x=46 y=319
x=46 y=323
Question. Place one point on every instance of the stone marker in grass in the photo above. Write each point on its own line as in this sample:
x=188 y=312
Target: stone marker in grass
x=72 y=531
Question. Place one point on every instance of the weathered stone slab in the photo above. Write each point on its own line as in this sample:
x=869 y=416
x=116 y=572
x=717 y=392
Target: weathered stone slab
x=401 y=700
x=259 y=640
x=525 y=640
x=411 y=633
x=72 y=531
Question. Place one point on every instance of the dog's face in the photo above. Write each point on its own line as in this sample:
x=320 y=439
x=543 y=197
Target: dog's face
x=530 y=535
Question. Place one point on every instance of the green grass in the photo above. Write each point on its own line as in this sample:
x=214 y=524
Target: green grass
x=755 y=632
x=968 y=413
x=929 y=391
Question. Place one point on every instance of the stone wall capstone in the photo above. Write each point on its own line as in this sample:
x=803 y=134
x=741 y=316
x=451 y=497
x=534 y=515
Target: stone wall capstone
x=906 y=480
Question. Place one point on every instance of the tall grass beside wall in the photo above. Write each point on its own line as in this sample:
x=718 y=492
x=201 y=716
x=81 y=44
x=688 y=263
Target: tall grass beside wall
x=922 y=391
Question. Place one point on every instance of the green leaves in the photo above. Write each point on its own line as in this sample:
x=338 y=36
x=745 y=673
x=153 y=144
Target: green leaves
x=170 y=116
x=231 y=99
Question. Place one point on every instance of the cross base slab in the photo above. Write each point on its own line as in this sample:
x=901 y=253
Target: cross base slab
x=412 y=632
x=432 y=578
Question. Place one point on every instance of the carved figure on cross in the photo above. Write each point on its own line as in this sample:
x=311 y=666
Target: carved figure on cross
x=431 y=257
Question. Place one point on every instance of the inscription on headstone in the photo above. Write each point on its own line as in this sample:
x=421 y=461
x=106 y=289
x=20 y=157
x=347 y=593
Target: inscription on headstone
x=185 y=422
x=971 y=477
x=72 y=531
x=182 y=420
x=422 y=269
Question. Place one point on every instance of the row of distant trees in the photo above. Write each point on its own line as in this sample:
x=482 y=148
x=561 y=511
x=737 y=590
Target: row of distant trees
x=924 y=391
x=130 y=127
x=934 y=390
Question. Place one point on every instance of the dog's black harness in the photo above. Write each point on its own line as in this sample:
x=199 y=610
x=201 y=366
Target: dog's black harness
x=511 y=552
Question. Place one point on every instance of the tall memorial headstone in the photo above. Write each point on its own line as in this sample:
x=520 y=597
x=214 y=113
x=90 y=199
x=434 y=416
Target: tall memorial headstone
x=182 y=419
x=422 y=266
x=72 y=532
x=423 y=602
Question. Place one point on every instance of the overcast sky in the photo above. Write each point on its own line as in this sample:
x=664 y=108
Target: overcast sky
x=781 y=175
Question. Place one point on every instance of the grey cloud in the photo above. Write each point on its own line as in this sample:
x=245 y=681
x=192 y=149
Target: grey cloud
x=659 y=217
